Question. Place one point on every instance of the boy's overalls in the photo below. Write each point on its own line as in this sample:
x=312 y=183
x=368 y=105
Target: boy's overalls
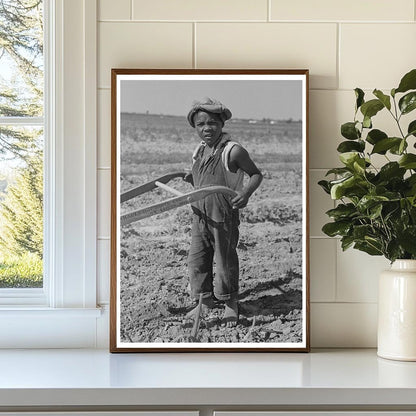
x=215 y=227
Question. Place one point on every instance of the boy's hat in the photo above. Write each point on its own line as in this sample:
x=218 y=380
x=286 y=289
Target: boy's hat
x=211 y=106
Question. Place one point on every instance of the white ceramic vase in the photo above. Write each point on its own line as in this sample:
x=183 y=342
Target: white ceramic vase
x=397 y=312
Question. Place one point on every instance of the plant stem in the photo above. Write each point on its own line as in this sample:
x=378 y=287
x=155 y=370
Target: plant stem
x=388 y=234
x=397 y=118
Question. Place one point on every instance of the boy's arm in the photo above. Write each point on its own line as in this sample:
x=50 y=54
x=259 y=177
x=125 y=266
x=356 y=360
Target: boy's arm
x=240 y=159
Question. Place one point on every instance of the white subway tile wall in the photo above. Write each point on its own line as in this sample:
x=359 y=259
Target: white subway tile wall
x=357 y=275
x=323 y=269
x=197 y=10
x=148 y=45
x=343 y=325
x=345 y=44
x=328 y=109
x=375 y=55
x=352 y=10
x=114 y=10
x=270 y=45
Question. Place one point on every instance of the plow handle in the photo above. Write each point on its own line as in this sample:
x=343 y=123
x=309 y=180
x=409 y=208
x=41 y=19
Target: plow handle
x=139 y=190
x=174 y=203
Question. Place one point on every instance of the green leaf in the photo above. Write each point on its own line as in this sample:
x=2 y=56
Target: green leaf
x=353 y=187
x=342 y=211
x=369 y=201
x=336 y=228
x=338 y=189
x=346 y=242
x=411 y=183
x=368 y=248
x=359 y=94
x=349 y=131
x=391 y=212
x=375 y=136
x=402 y=147
x=375 y=211
x=359 y=165
x=408 y=161
x=411 y=180
x=390 y=170
x=413 y=210
x=338 y=171
x=408 y=102
x=367 y=122
x=375 y=243
x=399 y=148
x=361 y=231
x=407 y=239
x=408 y=82
x=371 y=108
x=349 y=158
x=349 y=146
x=385 y=99
x=394 y=251
x=411 y=130
x=325 y=186
x=383 y=145
x=340 y=180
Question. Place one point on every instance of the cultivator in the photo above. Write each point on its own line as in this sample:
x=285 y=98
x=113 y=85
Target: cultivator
x=178 y=200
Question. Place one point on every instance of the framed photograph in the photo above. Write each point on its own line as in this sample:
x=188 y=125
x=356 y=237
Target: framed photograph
x=209 y=211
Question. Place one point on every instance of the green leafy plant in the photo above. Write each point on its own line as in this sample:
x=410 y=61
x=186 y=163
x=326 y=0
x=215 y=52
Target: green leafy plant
x=376 y=210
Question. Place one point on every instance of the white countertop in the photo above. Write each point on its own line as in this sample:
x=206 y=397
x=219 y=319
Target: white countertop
x=96 y=377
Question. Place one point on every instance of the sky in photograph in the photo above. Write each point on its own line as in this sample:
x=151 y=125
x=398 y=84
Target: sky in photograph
x=258 y=99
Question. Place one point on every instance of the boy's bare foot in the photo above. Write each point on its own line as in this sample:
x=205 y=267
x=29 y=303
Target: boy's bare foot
x=230 y=317
x=207 y=303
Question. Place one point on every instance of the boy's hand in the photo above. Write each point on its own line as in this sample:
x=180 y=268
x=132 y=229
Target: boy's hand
x=189 y=178
x=240 y=201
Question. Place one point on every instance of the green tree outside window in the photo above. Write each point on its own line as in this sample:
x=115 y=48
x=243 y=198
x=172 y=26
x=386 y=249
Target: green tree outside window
x=21 y=143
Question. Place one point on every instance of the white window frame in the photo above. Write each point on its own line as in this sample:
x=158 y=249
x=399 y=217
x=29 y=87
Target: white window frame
x=64 y=313
x=34 y=296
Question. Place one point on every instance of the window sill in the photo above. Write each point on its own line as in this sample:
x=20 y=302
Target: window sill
x=22 y=297
x=40 y=327
x=36 y=312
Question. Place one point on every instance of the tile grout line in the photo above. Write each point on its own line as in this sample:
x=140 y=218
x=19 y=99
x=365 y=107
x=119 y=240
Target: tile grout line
x=269 y=11
x=310 y=170
x=338 y=63
x=322 y=237
x=105 y=88
x=306 y=22
x=336 y=271
x=355 y=302
x=131 y=9
x=194 y=63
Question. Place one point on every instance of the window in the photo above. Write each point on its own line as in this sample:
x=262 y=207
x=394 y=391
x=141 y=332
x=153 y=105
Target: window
x=22 y=132
x=64 y=312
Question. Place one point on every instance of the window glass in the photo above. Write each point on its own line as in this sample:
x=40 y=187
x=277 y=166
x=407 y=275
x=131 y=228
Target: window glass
x=21 y=143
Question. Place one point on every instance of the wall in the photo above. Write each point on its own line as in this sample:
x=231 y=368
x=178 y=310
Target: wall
x=345 y=44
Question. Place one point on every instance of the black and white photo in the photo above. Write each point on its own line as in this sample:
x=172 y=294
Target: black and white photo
x=209 y=242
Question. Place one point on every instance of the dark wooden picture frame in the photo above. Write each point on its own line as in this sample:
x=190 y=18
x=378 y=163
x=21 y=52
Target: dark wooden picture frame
x=152 y=146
